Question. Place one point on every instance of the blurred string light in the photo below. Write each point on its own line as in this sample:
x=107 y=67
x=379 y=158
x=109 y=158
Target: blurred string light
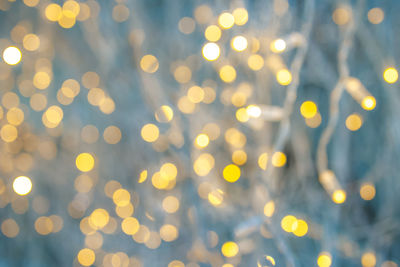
x=130 y=131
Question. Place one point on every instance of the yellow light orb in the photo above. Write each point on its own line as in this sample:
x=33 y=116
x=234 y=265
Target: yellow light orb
x=231 y=173
x=301 y=228
x=308 y=109
x=324 y=259
x=150 y=133
x=368 y=103
x=354 y=122
x=253 y=111
x=212 y=33
x=211 y=51
x=288 y=222
x=230 y=249
x=227 y=73
x=255 y=62
x=284 y=77
x=202 y=140
x=226 y=20
x=53 y=12
x=367 y=191
x=149 y=63
x=368 y=259
x=390 y=75
x=86 y=257
x=269 y=208
x=339 y=196
x=239 y=43
x=12 y=55
x=22 y=185
x=84 y=162
x=278 y=46
x=279 y=159
x=240 y=15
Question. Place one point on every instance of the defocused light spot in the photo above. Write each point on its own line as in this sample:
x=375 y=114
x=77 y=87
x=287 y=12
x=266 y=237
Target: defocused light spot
x=367 y=191
x=216 y=197
x=240 y=16
x=314 y=121
x=121 y=197
x=390 y=75
x=84 y=162
x=120 y=13
x=12 y=55
x=44 y=225
x=230 y=249
x=10 y=228
x=202 y=141
x=99 y=218
x=212 y=33
x=203 y=164
x=150 y=133
x=308 y=109
x=130 y=226
x=22 y=185
x=164 y=114
x=168 y=232
x=239 y=43
x=255 y=62
x=354 y=122
x=226 y=20
x=269 y=208
x=278 y=159
x=368 y=103
x=301 y=228
x=324 y=259
x=8 y=133
x=368 y=259
x=195 y=94
x=31 y=42
x=263 y=160
x=341 y=16
x=149 y=63
x=211 y=51
x=278 y=46
x=376 y=15
x=288 y=222
x=182 y=74
x=86 y=257
x=284 y=77
x=227 y=73
x=53 y=12
x=186 y=25
x=41 y=80
x=170 y=204
x=339 y=196
x=142 y=176
x=239 y=157
x=231 y=173
x=112 y=135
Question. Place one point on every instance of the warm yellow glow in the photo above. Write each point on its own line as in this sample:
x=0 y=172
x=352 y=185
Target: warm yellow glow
x=12 y=55
x=284 y=77
x=308 y=109
x=324 y=259
x=390 y=75
x=231 y=173
x=22 y=185
x=53 y=12
x=263 y=160
x=227 y=73
x=239 y=43
x=253 y=111
x=142 y=176
x=367 y=191
x=240 y=15
x=315 y=121
x=376 y=15
x=354 y=122
x=31 y=42
x=212 y=33
x=339 y=196
x=255 y=62
x=8 y=133
x=195 y=94
x=226 y=20
x=84 y=162
x=169 y=233
x=300 y=228
x=203 y=164
x=130 y=225
x=164 y=114
x=216 y=197
x=341 y=15
x=269 y=208
x=241 y=115
x=121 y=197
x=278 y=46
x=86 y=257
x=368 y=103
x=170 y=204
x=239 y=157
x=149 y=63
x=288 y=223
x=186 y=25
x=230 y=249
x=278 y=159
x=202 y=141
x=368 y=259
x=168 y=171
x=182 y=74
x=41 y=80
x=150 y=133
x=99 y=218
